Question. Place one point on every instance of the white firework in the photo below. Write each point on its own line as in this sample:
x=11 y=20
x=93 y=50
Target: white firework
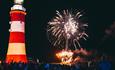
x=66 y=27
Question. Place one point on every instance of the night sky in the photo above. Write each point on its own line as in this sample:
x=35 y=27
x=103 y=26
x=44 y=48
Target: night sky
x=100 y=15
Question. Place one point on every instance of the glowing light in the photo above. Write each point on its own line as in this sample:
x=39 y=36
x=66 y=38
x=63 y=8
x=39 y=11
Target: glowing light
x=66 y=26
x=65 y=56
x=19 y=1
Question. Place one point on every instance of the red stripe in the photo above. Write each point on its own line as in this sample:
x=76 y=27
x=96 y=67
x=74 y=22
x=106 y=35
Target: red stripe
x=16 y=58
x=17 y=17
x=17 y=37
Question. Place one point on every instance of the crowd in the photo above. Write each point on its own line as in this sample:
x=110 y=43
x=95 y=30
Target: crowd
x=102 y=64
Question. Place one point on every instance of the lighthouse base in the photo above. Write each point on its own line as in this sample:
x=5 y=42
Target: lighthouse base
x=16 y=58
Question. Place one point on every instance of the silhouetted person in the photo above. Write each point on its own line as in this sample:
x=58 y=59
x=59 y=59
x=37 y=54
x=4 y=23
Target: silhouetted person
x=104 y=64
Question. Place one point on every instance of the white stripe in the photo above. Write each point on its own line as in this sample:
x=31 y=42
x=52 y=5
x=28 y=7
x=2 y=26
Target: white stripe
x=19 y=7
x=16 y=49
x=17 y=26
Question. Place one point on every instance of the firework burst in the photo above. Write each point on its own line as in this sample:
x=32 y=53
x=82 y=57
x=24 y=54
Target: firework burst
x=65 y=56
x=66 y=28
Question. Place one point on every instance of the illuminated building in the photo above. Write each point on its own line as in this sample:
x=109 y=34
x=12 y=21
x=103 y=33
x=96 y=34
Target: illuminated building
x=16 y=47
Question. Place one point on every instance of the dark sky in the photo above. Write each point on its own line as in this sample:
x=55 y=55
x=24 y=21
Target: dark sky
x=100 y=14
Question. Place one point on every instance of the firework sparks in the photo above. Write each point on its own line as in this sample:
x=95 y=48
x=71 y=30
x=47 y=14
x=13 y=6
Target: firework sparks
x=65 y=56
x=66 y=27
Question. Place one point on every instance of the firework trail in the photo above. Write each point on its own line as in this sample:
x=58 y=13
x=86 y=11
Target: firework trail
x=66 y=28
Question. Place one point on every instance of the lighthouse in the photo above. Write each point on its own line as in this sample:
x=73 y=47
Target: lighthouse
x=16 y=47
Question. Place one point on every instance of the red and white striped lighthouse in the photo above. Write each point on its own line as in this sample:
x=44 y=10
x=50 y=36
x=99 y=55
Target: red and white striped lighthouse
x=16 y=49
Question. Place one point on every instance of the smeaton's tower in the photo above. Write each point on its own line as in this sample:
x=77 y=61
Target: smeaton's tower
x=16 y=47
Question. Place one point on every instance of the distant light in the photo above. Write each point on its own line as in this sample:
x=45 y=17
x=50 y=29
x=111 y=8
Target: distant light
x=18 y=1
